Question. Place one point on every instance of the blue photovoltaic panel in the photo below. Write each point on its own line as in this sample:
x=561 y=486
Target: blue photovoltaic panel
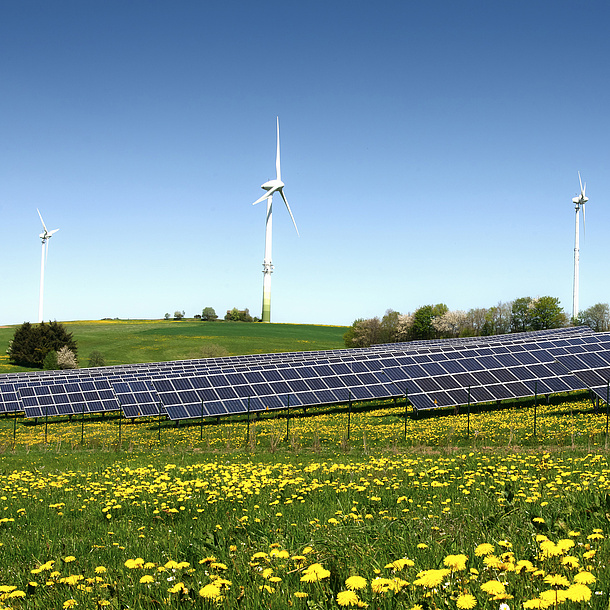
x=82 y=396
x=9 y=398
x=137 y=398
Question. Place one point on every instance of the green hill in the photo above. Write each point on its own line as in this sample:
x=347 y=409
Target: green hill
x=130 y=341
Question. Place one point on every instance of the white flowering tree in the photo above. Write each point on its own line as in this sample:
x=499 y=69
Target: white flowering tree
x=66 y=358
x=451 y=323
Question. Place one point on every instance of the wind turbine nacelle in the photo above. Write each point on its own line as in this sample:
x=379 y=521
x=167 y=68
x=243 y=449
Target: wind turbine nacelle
x=272 y=184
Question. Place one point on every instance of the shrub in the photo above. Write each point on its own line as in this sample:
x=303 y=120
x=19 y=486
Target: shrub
x=66 y=359
x=50 y=361
x=96 y=359
x=31 y=343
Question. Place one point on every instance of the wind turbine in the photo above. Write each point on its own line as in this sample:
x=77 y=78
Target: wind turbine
x=271 y=187
x=45 y=236
x=579 y=202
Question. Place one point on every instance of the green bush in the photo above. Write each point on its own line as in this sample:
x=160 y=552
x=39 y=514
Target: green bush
x=31 y=343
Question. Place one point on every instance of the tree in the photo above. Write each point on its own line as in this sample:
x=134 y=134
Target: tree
x=178 y=315
x=403 y=327
x=422 y=327
x=497 y=320
x=50 y=361
x=389 y=326
x=597 y=317
x=209 y=314
x=31 y=343
x=238 y=315
x=520 y=317
x=450 y=324
x=546 y=312
x=66 y=359
x=96 y=359
x=167 y=316
x=363 y=333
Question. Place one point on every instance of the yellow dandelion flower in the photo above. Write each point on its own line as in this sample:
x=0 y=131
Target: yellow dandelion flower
x=493 y=587
x=431 y=578
x=210 y=592
x=146 y=579
x=70 y=603
x=301 y=594
x=578 y=592
x=355 y=583
x=570 y=561
x=314 y=573
x=466 y=601
x=491 y=561
x=484 y=549
x=100 y=570
x=584 y=578
x=556 y=580
x=595 y=536
x=347 y=598
x=456 y=562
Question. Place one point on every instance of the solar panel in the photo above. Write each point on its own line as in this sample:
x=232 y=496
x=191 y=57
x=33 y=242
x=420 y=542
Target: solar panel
x=82 y=396
x=137 y=398
x=9 y=398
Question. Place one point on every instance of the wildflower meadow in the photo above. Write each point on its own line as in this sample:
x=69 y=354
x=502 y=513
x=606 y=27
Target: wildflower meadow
x=321 y=510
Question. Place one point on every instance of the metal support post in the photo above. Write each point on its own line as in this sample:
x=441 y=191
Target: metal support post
x=535 y=405
x=468 y=411
x=349 y=413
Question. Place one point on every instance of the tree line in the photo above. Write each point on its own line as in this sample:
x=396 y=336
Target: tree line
x=439 y=322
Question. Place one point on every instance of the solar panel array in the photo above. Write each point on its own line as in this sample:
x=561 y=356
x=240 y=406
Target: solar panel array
x=431 y=373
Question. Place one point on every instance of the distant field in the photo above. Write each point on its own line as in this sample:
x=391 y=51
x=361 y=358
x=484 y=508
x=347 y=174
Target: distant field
x=130 y=341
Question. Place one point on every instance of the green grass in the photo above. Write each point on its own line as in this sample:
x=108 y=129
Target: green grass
x=131 y=341
x=267 y=521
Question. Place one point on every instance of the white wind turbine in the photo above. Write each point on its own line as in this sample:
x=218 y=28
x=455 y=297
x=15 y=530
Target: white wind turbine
x=579 y=202
x=272 y=186
x=45 y=236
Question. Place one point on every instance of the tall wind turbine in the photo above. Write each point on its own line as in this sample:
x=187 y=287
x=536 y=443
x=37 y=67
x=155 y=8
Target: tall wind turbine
x=45 y=236
x=579 y=202
x=270 y=187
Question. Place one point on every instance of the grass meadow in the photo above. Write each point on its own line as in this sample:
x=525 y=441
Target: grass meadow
x=454 y=511
x=132 y=341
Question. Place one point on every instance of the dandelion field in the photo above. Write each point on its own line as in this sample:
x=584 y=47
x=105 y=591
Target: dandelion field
x=292 y=513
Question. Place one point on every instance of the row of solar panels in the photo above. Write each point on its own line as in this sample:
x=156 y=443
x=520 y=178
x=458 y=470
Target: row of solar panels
x=432 y=375
x=263 y=360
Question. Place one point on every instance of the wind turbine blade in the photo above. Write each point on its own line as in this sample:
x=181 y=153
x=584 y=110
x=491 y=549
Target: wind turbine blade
x=584 y=224
x=278 y=171
x=53 y=231
x=41 y=220
x=46 y=254
x=289 y=211
x=266 y=195
x=579 y=180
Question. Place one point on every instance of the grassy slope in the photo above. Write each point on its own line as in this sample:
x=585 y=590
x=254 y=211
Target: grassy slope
x=129 y=341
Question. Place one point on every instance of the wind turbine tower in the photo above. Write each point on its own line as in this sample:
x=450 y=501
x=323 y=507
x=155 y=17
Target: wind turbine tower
x=45 y=236
x=271 y=187
x=579 y=202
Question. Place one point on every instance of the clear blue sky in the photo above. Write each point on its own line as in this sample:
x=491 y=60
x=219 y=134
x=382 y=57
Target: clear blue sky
x=429 y=149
